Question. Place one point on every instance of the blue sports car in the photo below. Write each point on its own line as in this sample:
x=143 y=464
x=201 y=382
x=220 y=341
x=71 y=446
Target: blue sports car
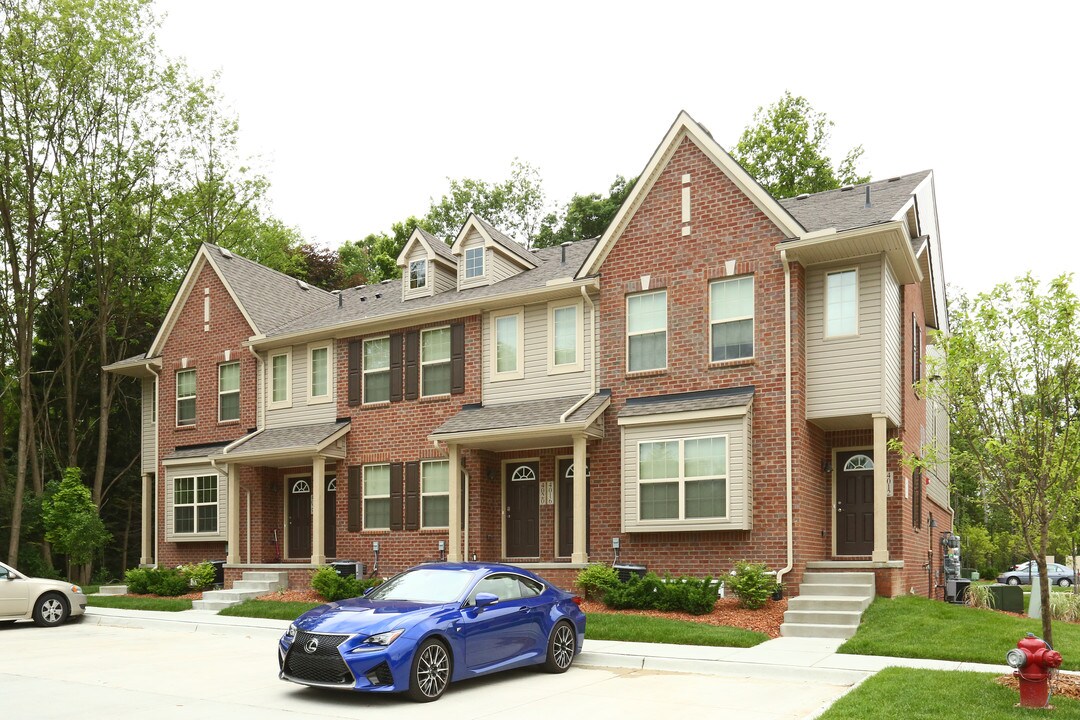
x=431 y=625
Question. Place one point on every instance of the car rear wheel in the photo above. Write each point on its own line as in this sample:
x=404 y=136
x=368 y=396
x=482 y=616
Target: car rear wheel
x=50 y=610
x=430 y=672
x=561 y=644
x=1013 y=580
x=1064 y=582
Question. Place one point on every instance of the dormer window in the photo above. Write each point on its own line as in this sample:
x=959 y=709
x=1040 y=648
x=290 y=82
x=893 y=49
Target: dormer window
x=417 y=274
x=474 y=262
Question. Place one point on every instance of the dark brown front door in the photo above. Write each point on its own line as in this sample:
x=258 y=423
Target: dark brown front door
x=299 y=489
x=854 y=503
x=566 y=506
x=330 y=518
x=523 y=509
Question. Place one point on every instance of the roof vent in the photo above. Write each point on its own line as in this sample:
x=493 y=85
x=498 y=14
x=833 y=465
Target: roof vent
x=363 y=298
x=802 y=196
x=845 y=188
x=378 y=295
x=385 y=282
x=359 y=287
x=225 y=253
x=867 y=204
x=893 y=179
x=563 y=247
x=303 y=285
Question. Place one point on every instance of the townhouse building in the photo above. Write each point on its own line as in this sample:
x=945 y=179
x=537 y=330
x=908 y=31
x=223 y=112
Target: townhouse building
x=715 y=379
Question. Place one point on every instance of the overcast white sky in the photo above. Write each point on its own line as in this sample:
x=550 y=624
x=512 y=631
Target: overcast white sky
x=358 y=112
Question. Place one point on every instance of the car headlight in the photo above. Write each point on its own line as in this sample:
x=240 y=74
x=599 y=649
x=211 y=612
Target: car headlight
x=385 y=638
x=291 y=632
x=76 y=589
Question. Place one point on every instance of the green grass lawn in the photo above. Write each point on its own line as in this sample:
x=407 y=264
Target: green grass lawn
x=138 y=603
x=916 y=627
x=641 y=628
x=935 y=694
x=271 y=609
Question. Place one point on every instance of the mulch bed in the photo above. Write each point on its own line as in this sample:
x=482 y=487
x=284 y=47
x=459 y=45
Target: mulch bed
x=1060 y=684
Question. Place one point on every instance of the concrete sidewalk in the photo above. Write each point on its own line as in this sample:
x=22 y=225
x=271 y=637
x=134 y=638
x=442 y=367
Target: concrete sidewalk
x=782 y=658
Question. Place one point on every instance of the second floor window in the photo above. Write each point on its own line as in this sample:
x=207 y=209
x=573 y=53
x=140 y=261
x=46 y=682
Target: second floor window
x=417 y=274
x=435 y=494
x=474 y=262
x=841 y=303
x=279 y=379
x=185 y=397
x=229 y=392
x=564 y=333
x=195 y=504
x=646 y=331
x=731 y=318
x=506 y=343
x=377 y=497
x=377 y=370
x=435 y=361
x=320 y=373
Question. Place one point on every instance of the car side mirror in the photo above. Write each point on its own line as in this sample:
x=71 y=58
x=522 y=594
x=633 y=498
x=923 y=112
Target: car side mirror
x=485 y=599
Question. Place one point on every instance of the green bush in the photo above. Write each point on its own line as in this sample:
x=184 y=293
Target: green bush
x=332 y=586
x=137 y=581
x=168 y=582
x=752 y=584
x=681 y=594
x=596 y=580
x=1064 y=606
x=637 y=593
x=979 y=596
x=200 y=575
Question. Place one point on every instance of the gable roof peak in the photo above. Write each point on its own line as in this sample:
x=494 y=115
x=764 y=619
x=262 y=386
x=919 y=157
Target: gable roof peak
x=494 y=237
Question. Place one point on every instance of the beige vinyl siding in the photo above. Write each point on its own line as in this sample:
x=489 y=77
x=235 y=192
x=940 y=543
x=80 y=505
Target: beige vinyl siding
x=301 y=413
x=171 y=473
x=471 y=241
x=937 y=431
x=844 y=375
x=739 y=479
x=892 y=357
x=444 y=278
x=536 y=383
x=416 y=253
x=499 y=266
x=148 y=439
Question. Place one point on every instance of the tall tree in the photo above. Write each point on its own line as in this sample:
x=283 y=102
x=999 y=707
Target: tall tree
x=786 y=149
x=585 y=216
x=1011 y=370
x=514 y=205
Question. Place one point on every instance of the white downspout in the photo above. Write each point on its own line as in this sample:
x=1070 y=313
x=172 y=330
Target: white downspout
x=248 y=498
x=157 y=473
x=592 y=345
x=787 y=417
x=465 y=500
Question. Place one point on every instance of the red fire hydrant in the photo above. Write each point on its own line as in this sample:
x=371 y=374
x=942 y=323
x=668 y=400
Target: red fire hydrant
x=1033 y=659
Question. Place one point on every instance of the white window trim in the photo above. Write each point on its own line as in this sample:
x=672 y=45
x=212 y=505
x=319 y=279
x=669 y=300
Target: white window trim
x=448 y=361
x=287 y=402
x=579 y=364
x=423 y=522
x=682 y=480
x=647 y=332
x=366 y=372
x=195 y=397
x=229 y=392
x=825 y=305
x=195 y=505
x=483 y=263
x=408 y=278
x=365 y=497
x=751 y=317
x=329 y=396
x=519 y=371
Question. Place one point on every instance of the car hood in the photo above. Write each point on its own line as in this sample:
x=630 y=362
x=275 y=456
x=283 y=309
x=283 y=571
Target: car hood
x=366 y=617
x=49 y=584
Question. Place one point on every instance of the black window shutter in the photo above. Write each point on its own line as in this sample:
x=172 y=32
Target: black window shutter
x=395 y=367
x=395 y=496
x=457 y=358
x=412 y=496
x=355 y=522
x=412 y=365
x=354 y=372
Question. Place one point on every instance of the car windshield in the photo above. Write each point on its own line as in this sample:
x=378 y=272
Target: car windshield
x=425 y=585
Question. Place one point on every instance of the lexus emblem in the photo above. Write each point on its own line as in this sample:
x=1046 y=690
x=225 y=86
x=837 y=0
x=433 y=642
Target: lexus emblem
x=311 y=646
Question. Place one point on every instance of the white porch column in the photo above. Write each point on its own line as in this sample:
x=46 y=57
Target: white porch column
x=881 y=512
x=318 y=510
x=146 y=557
x=579 y=555
x=453 y=546
x=233 y=491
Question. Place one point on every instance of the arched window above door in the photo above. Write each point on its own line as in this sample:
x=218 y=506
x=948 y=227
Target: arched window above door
x=523 y=472
x=301 y=486
x=858 y=462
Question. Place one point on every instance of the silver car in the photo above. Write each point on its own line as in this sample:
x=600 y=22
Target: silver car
x=46 y=602
x=1023 y=574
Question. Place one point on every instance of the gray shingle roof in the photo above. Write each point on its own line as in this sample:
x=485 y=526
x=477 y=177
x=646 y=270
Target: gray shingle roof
x=845 y=209
x=198 y=451
x=384 y=300
x=133 y=361
x=297 y=437
x=441 y=248
x=686 y=402
x=507 y=242
x=535 y=413
x=269 y=297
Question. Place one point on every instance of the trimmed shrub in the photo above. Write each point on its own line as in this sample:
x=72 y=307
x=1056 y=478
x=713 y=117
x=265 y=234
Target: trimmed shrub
x=333 y=587
x=596 y=580
x=637 y=593
x=137 y=581
x=752 y=584
x=168 y=582
x=200 y=575
x=681 y=594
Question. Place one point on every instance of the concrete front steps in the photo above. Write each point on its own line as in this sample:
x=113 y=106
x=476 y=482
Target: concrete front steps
x=254 y=584
x=829 y=605
x=112 y=590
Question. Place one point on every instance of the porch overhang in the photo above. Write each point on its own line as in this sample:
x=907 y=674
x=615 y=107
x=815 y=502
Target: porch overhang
x=137 y=366
x=287 y=446
x=525 y=426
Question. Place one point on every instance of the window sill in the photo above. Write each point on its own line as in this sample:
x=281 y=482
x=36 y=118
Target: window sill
x=434 y=530
x=321 y=400
x=433 y=398
x=376 y=531
x=187 y=427
x=504 y=377
x=279 y=406
x=555 y=370
x=645 y=373
x=374 y=405
x=740 y=362
x=229 y=422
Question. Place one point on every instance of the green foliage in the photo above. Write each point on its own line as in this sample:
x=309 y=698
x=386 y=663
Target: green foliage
x=332 y=586
x=596 y=580
x=138 y=581
x=272 y=609
x=159 y=604
x=513 y=205
x=72 y=523
x=168 y=582
x=785 y=148
x=752 y=584
x=637 y=593
x=979 y=596
x=682 y=594
x=585 y=216
x=976 y=548
x=1065 y=606
x=200 y=575
x=639 y=628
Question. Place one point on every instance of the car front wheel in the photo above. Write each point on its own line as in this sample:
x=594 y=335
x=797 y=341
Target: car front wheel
x=561 y=646
x=1064 y=582
x=50 y=610
x=430 y=672
x=1013 y=580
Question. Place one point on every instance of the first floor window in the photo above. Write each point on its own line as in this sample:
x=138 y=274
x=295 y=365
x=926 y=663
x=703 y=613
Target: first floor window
x=195 y=504
x=841 y=303
x=229 y=392
x=683 y=479
x=646 y=331
x=435 y=361
x=435 y=493
x=185 y=397
x=731 y=316
x=417 y=274
x=377 y=497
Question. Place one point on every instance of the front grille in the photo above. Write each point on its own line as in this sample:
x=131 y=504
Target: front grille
x=323 y=666
x=380 y=675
